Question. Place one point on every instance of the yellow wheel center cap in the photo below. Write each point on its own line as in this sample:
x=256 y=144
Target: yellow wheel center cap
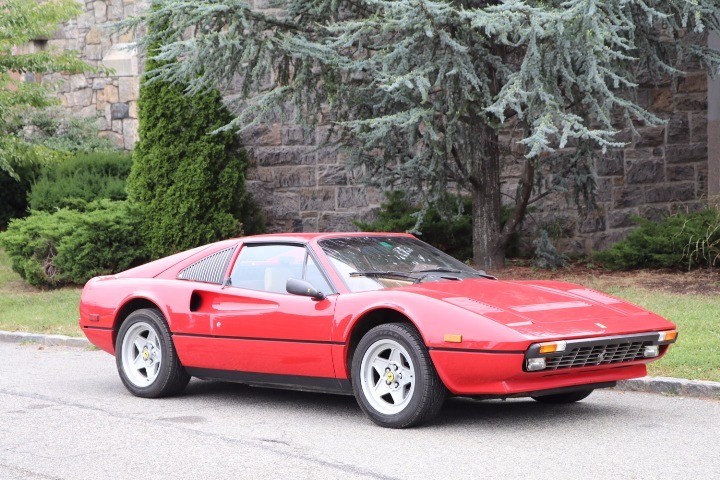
x=389 y=377
x=146 y=354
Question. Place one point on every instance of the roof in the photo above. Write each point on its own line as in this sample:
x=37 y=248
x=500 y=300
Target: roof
x=307 y=236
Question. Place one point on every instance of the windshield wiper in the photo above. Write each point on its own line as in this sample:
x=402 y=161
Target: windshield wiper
x=380 y=273
x=480 y=273
x=439 y=269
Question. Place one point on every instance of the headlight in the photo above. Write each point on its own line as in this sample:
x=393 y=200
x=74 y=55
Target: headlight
x=651 y=351
x=535 y=364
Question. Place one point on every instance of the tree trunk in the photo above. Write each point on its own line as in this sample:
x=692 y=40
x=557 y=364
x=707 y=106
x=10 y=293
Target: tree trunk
x=488 y=244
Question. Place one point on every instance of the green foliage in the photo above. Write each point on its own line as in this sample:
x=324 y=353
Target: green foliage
x=13 y=191
x=450 y=232
x=452 y=235
x=53 y=128
x=37 y=140
x=70 y=247
x=81 y=179
x=26 y=162
x=681 y=241
x=190 y=181
x=20 y=22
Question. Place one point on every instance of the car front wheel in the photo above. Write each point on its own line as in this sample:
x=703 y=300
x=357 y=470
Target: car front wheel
x=394 y=380
x=145 y=355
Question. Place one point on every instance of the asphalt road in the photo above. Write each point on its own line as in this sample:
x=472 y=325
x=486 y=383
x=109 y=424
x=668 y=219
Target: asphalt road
x=65 y=415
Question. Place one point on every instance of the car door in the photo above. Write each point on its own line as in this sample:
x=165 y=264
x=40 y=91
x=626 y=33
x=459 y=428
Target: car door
x=256 y=326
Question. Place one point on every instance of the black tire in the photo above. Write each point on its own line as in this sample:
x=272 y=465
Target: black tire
x=171 y=377
x=570 y=397
x=429 y=392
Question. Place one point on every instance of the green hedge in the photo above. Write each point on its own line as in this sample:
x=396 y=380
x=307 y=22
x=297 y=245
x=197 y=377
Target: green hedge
x=81 y=179
x=681 y=241
x=191 y=180
x=70 y=247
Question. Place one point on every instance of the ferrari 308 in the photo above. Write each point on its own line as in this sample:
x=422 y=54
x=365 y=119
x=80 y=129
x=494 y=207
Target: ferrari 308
x=382 y=316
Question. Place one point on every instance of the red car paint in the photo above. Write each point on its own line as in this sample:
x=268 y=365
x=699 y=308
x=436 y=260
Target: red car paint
x=283 y=337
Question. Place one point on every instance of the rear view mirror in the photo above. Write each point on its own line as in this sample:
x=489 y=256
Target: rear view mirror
x=303 y=288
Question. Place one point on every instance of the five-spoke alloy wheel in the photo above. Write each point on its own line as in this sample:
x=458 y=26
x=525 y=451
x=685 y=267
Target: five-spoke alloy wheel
x=393 y=377
x=141 y=354
x=145 y=355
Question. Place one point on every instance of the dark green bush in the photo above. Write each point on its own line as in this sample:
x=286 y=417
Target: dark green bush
x=70 y=247
x=81 y=179
x=191 y=182
x=682 y=241
x=14 y=191
x=453 y=235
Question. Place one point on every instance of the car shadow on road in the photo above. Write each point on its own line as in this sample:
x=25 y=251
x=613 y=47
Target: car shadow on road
x=456 y=411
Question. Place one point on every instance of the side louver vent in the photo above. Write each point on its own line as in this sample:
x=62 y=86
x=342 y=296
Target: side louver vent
x=210 y=269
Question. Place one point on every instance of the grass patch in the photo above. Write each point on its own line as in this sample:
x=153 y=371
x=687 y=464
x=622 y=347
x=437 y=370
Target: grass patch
x=28 y=309
x=696 y=354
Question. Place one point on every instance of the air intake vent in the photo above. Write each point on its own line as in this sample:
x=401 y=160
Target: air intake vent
x=210 y=269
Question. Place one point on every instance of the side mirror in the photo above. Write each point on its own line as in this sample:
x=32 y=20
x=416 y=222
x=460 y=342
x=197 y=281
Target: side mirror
x=303 y=288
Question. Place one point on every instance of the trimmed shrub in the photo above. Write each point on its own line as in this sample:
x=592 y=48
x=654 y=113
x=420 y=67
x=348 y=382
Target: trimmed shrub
x=190 y=180
x=681 y=241
x=70 y=247
x=81 y=179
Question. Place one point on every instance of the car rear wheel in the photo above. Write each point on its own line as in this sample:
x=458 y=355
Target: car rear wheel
x=394 y=380
x=146 y=358
x=569 y=397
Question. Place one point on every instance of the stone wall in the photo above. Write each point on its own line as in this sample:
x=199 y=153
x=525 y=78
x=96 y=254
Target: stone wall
x=303 y=186
x=662 y=171
x=111 y=98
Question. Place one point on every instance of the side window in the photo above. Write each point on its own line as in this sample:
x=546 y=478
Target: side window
x=210 y=269
x=268 y=267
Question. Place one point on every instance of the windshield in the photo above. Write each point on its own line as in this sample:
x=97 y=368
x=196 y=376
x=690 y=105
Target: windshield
x=376 y=262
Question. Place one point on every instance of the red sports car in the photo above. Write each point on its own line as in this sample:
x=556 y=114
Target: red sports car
x=383 y=316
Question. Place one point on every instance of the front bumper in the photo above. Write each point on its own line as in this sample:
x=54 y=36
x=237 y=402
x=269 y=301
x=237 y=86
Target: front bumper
x=503 y=374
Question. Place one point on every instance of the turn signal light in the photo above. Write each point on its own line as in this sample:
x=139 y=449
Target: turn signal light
x=552 y=347
x=668 y=336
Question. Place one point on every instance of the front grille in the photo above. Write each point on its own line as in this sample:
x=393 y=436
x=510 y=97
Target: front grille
x=590 y=356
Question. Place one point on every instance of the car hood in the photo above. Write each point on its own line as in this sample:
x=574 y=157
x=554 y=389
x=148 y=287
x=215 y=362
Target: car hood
x=542 y=308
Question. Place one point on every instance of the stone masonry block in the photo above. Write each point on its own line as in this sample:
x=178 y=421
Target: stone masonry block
x=678 y=128
x=351 y=197
x=291 y=177
x=317 y=199
x=280 y=156
x=644 y=171
x=119 y=111
x=696 y=152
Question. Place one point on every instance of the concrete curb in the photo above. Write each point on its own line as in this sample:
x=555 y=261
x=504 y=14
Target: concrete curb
x=672 y=386
x=662 y=385
x=49 y=340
